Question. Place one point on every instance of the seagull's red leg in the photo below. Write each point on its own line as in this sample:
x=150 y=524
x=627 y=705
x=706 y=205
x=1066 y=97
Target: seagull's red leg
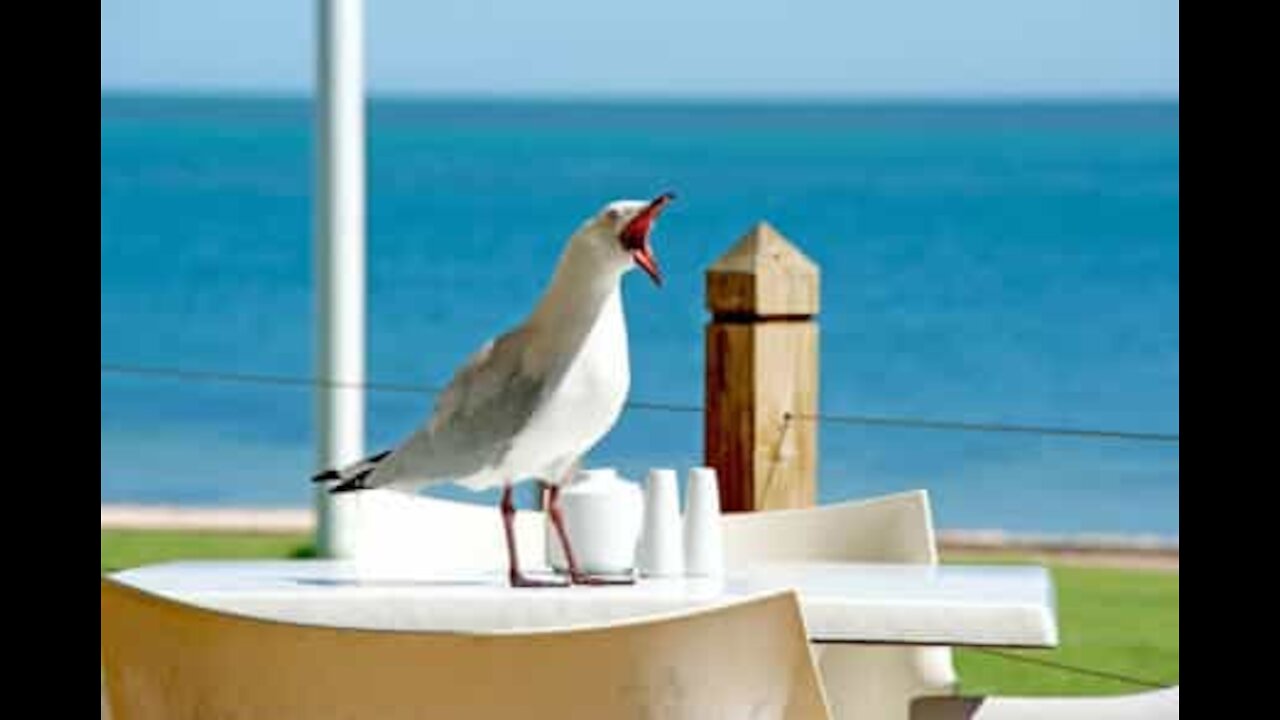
x=575 y=574
x=517 y=578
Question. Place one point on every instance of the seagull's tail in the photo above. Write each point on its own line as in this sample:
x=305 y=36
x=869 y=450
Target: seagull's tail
x=352 y=477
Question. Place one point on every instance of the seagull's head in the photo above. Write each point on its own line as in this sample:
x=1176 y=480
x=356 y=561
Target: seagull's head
x=622 y=230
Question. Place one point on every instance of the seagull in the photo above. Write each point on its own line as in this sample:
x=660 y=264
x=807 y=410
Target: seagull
x=532 y=402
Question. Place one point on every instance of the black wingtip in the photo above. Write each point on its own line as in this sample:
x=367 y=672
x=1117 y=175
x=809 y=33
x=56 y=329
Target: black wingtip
x=351 y=485
x=361 y=470
x=359 y=482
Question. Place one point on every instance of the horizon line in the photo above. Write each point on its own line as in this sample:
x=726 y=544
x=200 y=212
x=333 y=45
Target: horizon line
x=674 y=98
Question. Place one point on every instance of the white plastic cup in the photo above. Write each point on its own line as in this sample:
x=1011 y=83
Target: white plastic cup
x=703 y=542
x=661 y=553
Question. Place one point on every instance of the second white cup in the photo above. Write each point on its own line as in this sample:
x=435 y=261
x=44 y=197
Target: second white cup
x=703 y=544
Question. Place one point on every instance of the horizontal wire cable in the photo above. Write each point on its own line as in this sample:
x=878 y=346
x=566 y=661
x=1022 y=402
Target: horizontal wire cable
x=846 y=419
x=925 y=424
x=1066 y=667
x=262 y=379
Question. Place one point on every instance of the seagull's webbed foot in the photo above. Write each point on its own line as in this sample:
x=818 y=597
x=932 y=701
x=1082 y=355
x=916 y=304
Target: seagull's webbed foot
x=520 y=580
x=580 y=578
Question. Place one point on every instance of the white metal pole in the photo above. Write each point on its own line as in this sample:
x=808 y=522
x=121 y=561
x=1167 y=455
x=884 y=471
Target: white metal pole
x=339 y=259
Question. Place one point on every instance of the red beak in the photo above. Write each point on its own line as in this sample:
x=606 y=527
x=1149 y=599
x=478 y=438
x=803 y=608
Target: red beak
x=635 y=236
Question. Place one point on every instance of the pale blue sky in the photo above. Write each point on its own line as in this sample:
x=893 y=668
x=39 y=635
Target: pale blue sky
x=926 y=48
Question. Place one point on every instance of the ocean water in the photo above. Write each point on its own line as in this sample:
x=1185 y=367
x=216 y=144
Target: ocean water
x=986 y=262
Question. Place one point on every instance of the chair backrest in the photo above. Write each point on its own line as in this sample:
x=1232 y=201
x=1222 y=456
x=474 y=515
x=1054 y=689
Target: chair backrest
x=893 y=528
x=423 y=533
x=167 y=660
x=860 y=681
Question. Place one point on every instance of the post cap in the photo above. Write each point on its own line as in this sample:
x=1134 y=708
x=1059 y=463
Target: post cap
x=763 y=275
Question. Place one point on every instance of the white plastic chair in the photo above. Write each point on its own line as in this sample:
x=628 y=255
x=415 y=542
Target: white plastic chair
x=865 y=681
x=166 y=660
x=1151 y=705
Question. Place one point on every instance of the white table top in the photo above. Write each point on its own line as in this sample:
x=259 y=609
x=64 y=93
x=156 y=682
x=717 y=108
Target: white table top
x=1007 y=605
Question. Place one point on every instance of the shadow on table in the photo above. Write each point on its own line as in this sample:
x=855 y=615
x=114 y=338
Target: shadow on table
x=394 y=582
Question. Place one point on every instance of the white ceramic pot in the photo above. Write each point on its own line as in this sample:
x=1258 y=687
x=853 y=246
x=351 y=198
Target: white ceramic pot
x=602 y=516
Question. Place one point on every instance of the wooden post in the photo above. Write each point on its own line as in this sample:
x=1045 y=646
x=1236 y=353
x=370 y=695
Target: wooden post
x=762 y=374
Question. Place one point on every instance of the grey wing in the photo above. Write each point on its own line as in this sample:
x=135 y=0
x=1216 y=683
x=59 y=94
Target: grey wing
x=478 y=415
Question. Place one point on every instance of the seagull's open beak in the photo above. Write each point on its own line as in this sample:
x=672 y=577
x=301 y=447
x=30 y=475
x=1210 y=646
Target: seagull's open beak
x=635 y=236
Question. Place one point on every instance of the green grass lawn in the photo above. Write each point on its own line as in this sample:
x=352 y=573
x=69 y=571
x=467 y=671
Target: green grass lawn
x=130 y=548
x=1121 y=622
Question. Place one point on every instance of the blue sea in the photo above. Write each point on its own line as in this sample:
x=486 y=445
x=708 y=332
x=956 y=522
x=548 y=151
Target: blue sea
x=989 y=262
